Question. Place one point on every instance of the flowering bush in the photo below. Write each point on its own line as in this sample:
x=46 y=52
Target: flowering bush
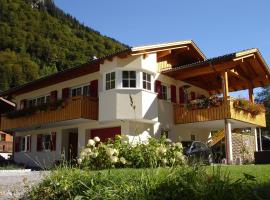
x=120 y=154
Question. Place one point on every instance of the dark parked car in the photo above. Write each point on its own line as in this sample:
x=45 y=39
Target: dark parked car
x=197 y=151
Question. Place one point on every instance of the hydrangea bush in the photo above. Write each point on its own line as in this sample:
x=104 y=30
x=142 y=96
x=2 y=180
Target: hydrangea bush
x=119 y=153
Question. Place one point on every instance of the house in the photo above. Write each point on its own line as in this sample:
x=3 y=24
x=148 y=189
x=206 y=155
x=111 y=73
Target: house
x=5 y=139
x=140 y=92
x=5 y=145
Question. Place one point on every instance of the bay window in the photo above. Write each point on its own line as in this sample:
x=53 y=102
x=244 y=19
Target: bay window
x=129 y=79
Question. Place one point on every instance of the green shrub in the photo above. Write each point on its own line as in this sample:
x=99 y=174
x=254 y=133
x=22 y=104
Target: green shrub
x=121 y=154
x=158 y=184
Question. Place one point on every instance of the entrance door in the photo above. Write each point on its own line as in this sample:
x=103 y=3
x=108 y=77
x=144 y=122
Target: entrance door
x=105 y=133
x=72 y=146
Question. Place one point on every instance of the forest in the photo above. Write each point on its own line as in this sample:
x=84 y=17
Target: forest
x=38 y=39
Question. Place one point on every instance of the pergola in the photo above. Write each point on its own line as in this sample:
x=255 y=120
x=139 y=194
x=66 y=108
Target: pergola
x=221 y=75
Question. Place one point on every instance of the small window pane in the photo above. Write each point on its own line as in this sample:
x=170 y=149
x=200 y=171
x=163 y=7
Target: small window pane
x=113 y=76
x=133 y=83
x=42 y=100
x=47 y=99
x=86 y=90
x=73 y=92
x=108 y=86
x=108 y=77
x=125 y=74
x=132 y=74
x=79 y=91
x=144 y=76
x=148 y=86
x=149 y=77
x=144 y=85
x=125 y=83
x=112 y=84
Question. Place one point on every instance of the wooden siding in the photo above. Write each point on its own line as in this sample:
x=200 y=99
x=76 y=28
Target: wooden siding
x=73 y=108
x=225 y=111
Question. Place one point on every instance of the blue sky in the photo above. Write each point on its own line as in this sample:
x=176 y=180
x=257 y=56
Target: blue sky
x=217 y=27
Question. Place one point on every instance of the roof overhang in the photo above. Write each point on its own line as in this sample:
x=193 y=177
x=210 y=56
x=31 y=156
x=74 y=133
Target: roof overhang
x=160 y=49
x=6 y=105
x=246 y=69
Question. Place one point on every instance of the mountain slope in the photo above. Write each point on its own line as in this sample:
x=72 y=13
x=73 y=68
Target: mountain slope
x=37 y=39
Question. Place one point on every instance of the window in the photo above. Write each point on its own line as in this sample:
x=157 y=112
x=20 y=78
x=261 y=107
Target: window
x=110 y=81
x=38 y=101
x=164 y=92
x=129 y=79
x=46 y=141
x=25 y=143
x=80 y=90
x=146 y=81
x=3 y=137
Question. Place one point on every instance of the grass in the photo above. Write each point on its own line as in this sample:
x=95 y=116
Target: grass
x=225 y=182
x=261 y=172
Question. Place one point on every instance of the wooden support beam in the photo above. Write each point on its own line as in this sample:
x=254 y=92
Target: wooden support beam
x=225 y=85
x=234 y=73
x=163 y=53
x=251 y=95
x=136 y=53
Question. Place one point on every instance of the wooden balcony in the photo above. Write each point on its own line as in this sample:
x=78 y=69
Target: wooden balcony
x=225 y=110
x=74 y=108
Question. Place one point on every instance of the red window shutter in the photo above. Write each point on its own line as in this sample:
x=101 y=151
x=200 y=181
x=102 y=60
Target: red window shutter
x=192 y=96
x=94 y=88
x=17 y=144
x=173 y=93
x=28 y=148
x=158 y=88
x=65 y=93
x=53 y=96
x=23 y=104
x=181 y=95
x=53 y=141
x=39 y=142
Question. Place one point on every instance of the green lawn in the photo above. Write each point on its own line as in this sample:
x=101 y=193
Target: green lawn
x=261 y=172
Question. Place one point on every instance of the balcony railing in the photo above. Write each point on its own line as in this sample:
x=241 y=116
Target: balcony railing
x=224 y=110
x=80 y=107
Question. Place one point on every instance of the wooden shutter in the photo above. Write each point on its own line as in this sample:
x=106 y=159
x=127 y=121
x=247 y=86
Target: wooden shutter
x=53 y=141
x=28 y=148
x=181 y=95
x=158 y=88
x=53 y=96
x=39 y=142
x=23 y=104
x=192 y=96
x=65 y=93
x=173 y=93
x=94 y=88
x=17 y=144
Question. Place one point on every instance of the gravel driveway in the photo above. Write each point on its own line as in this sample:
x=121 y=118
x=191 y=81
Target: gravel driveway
x=14 y=184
